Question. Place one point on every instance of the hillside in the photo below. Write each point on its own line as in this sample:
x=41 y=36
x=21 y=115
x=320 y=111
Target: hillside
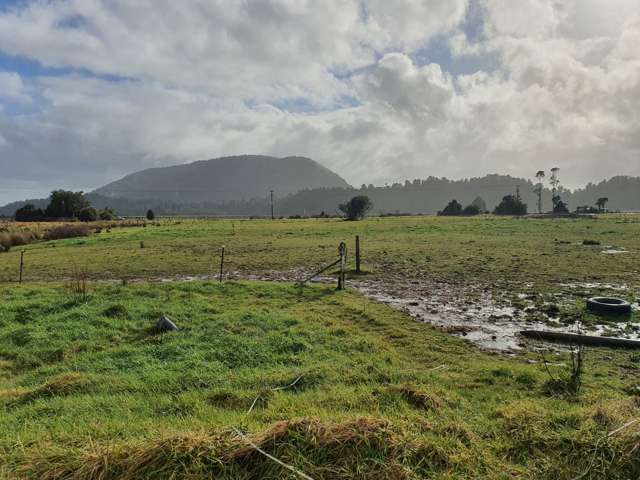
x=224 y=179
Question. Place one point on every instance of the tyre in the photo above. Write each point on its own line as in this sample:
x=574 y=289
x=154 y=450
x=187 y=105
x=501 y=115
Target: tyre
x=609 y=306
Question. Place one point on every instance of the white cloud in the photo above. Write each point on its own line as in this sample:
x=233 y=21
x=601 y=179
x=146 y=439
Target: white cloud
x=12 y=88
x=215 y=78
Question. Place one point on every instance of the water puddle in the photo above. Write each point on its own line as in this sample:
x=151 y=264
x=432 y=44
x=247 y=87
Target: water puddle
x=472 y=312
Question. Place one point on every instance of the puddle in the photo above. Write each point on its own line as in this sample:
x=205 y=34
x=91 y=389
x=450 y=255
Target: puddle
x=595 y=285
x=613 y=250
x=471 y=312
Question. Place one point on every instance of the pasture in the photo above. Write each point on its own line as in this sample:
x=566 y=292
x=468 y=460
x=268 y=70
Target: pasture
x=331 y=383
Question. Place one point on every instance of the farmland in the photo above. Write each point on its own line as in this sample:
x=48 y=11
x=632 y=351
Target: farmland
x=329 y=382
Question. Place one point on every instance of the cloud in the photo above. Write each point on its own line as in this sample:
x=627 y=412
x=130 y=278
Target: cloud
x=149 y=83
x=12 y=88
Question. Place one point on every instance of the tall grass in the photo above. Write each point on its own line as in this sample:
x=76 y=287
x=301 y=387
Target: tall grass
x=67 y=231
x=15 y=239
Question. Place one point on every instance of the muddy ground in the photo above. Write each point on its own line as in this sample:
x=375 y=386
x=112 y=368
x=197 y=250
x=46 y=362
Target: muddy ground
x=483 y=315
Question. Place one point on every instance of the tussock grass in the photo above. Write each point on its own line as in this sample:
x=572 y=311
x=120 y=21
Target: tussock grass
x=15 y=239
x=71 y=230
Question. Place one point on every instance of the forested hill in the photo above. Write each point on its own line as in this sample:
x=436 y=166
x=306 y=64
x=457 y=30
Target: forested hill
x=418 y=196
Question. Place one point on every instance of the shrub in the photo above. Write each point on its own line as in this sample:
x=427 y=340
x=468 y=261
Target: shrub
x=471 y=210
x=21 y=238
x=150 y=215
x=15 y=239
x=28 y=213
x=511 y=205
x=106 y=214
x=88 y=214
x=560 y=207
x=67 y=231
x=452 y=209
x=5 y=242
x=356 y=208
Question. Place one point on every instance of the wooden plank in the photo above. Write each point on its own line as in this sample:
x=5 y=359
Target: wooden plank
x=576 y=339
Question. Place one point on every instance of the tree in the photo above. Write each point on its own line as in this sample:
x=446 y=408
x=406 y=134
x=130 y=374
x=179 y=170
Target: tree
x=28 y=213
x=601 y=203
x=511 y=205
x=106 y=214
x=65 y=204
x=471 y=210
x=559 y=206
x=356 y=208
x=480 y=204
x=539 y=188
x=88 y=214
x=554 y=181
x=452 y=209
x=150 y=215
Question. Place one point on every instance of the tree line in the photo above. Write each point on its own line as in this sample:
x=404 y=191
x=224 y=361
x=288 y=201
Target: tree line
x=426 y=196
x=64 y=204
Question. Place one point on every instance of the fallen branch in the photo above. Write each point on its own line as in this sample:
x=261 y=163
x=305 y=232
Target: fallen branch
x=271 y=457
x=274 y=390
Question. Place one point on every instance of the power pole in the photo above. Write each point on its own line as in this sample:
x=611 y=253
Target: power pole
x=272 y=217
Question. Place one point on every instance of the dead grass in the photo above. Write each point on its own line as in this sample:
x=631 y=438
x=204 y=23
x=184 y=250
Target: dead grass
x=59 y=385
x=67 y=231
x=16 y=239
x=225 y=455
x=418 y=398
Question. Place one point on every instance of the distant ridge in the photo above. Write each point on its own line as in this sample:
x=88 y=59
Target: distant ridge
x=224 y=179
x=425 y=196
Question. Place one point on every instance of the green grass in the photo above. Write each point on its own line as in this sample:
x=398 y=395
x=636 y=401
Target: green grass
x=502 y=252
x=88 y=390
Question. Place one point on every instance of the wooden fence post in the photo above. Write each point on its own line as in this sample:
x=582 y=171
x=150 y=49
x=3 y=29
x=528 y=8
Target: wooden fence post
x=221 y=263
x=342 y=249
x=21 y=265
x=357 y=253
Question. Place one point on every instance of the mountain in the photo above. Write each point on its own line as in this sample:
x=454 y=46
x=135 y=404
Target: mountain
x=224 y=180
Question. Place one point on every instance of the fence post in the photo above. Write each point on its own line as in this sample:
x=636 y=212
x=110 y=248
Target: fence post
x=357 y=253
x=221 y=263
x=21 y=265
x=342 y=249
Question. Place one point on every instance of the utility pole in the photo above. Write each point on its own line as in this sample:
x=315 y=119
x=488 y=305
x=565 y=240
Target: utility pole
x=539 y=188
x=272 y=217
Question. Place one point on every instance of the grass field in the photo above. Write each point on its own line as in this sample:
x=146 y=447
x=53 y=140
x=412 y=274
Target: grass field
x=89 y=391
x=332 y=384
x=498 y=251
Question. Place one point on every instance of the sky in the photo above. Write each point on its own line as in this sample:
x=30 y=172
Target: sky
x=378 y=91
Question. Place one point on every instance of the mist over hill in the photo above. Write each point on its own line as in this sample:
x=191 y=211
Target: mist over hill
x=426 y=196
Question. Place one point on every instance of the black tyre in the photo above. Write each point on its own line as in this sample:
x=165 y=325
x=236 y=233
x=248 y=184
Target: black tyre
x=609 y=306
